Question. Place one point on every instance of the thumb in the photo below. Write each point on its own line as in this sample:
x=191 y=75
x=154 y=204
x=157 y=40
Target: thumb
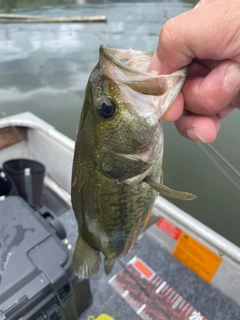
x=202 y=33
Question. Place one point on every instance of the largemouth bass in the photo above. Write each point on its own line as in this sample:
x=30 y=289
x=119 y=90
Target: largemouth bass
x=117 y=168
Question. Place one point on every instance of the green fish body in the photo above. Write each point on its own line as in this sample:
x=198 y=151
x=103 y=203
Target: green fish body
x=117 y=167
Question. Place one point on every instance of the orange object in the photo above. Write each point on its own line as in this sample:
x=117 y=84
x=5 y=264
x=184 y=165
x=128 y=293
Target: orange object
x=143 y=269
x=197 y=257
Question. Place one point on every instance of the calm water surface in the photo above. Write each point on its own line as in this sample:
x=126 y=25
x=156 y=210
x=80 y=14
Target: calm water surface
x=44 y=69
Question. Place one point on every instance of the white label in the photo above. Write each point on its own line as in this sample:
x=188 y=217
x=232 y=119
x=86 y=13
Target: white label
x=195 y=316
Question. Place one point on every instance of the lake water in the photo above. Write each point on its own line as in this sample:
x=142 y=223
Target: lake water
x=44 y=69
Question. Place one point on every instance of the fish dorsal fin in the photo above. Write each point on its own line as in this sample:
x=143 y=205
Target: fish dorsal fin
x=171 y=193
x=86 y=259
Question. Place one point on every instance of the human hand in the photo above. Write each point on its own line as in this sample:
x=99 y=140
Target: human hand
x=208 y=38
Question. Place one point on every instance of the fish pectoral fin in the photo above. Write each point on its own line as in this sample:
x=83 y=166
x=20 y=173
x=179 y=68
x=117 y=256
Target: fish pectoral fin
x=86 y=259
x=171 y=193
x=137 y=178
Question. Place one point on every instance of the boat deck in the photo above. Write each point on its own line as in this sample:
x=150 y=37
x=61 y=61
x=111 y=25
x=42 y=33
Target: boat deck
x=203 y=297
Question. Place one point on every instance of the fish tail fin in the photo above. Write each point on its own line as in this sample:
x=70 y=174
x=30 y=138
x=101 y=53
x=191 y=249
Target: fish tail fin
x=108 y=265
x=171 y=193
x=86 y=259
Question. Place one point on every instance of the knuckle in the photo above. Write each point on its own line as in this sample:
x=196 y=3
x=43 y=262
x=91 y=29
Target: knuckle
x=210 y=104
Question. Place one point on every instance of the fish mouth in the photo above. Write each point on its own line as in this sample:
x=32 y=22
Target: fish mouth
x=128 y=68
x=136 y=63
x=124 y=58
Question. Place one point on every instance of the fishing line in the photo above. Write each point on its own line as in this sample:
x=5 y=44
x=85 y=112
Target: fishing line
x=218 y=165
x=148 y=294
x=56 y=107
x=224 y=160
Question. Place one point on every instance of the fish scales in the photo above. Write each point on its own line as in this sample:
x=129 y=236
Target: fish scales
x=117 y=166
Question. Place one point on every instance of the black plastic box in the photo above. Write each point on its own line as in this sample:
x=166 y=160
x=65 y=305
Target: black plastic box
x=36 y=277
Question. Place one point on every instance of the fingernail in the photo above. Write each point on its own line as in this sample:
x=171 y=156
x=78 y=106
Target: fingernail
x=231 y=80
x=194 y=135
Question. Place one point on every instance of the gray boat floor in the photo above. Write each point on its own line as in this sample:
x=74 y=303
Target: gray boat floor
x=210 y=302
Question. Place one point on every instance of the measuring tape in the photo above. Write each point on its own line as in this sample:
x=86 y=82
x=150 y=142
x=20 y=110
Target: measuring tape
x=149 y=295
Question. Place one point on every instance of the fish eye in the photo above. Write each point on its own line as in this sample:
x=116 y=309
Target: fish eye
x=106 y=108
